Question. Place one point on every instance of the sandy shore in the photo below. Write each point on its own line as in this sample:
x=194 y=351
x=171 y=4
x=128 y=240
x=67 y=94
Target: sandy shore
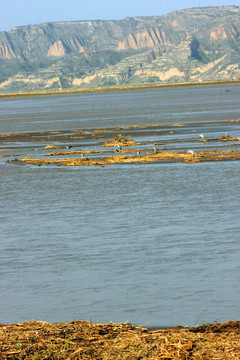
x=83 y=340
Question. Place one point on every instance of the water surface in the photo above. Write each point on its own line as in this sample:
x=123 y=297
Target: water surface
x=155 y=244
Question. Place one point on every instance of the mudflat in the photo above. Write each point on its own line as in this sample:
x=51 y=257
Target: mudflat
x=120 y=145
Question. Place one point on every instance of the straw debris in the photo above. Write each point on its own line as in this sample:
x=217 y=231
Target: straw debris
x=83 y=340
x=200 y=156
x=107 y=146
x=54 y=147
x=119 y=140
x=222 y=138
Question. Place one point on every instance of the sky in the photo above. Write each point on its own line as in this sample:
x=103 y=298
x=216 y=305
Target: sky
x=31 y=12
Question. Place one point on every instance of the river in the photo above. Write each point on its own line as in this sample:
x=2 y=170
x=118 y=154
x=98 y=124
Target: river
x=156 y=245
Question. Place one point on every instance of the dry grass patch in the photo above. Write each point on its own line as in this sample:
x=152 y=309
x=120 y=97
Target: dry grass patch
x=222 y=138
x=119 y=140
x=200 y=156
x=82 y=340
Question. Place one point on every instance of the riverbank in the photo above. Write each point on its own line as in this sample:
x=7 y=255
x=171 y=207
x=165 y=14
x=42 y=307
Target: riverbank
x=115 y=88
x=83 y=340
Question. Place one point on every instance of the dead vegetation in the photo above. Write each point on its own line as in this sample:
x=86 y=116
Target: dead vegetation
x=83 y=340
x=107 y=146
x=222 y=138
x=55 y=147
x=74 y=152
x=139 y=159
x=120 y=141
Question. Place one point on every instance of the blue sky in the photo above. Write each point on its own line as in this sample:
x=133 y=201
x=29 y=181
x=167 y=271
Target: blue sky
x=25 y=12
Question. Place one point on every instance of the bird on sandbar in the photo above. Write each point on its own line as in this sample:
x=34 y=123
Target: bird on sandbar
x=155 y=150
x=201 y=136
x=191 y=152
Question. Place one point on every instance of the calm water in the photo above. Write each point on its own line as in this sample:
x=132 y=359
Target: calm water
x=157 y=245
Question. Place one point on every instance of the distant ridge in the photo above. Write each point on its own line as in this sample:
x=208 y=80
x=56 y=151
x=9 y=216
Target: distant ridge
x=196 y=44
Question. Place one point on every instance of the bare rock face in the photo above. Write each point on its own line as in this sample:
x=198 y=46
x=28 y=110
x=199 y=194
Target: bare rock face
x=6 y=52
x=76 y=44
x=149 y=38
x=73 y=44
x=224 y=31
x=188 y=45
x=57 y=49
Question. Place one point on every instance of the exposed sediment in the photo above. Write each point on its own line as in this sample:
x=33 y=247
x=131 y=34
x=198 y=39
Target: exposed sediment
x=222 y=138
x=148 y=158
x=105 y=146
x=120 y=141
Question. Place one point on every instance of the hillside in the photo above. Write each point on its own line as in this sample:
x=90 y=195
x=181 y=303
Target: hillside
x=197 y=44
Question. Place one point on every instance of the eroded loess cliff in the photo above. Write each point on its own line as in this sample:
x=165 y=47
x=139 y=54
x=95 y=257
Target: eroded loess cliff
x=198 y=44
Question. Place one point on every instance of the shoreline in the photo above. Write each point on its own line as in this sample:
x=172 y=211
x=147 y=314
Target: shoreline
x=83 y=340
x=115 y=88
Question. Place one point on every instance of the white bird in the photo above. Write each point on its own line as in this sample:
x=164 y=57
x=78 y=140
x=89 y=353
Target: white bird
x=155 y=150
x=120 y=147
x=191 y=152
x=201 y=136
